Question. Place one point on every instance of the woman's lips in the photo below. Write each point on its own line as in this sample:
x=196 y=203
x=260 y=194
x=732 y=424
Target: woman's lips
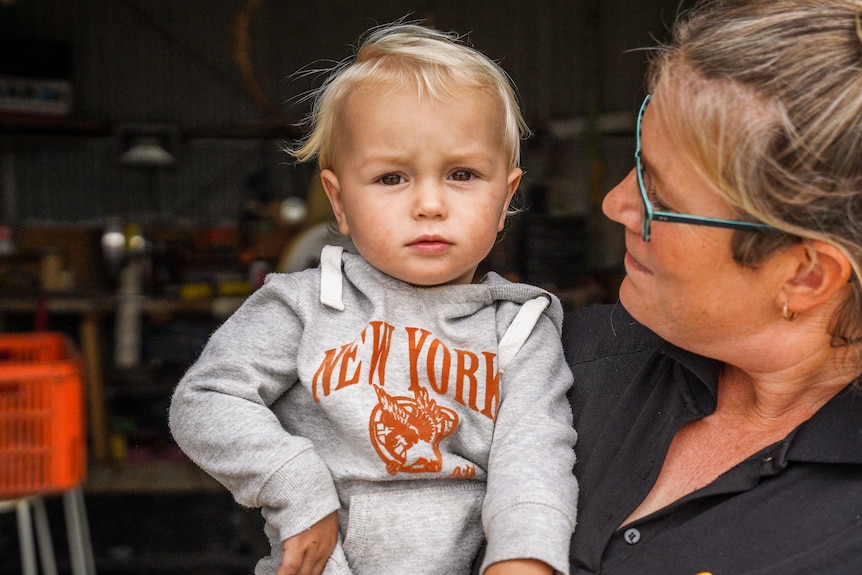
x=633 y=265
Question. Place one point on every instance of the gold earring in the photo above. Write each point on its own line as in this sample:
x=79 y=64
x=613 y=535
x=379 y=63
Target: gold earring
x=787 y=314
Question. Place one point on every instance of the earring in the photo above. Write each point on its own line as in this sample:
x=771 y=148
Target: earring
x=786 y=314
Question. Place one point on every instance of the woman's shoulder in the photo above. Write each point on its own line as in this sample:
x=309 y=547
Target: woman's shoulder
x=601 y=331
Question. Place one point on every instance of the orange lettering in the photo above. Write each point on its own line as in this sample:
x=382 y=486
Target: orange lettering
x=468 y=472
x=415 y=348
x=492 y=386
x=441 y=386
x=348 y=354
x=324 y=373
x=466 y=373
x=380 y=350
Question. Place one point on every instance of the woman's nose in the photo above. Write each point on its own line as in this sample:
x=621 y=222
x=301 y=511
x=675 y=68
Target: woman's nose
x=624 y=205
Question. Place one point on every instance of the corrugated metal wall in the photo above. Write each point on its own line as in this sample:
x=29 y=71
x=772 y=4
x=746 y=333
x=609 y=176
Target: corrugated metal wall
x=176 y=62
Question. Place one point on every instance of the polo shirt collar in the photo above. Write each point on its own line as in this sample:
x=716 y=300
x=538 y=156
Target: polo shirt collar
x=832 y=435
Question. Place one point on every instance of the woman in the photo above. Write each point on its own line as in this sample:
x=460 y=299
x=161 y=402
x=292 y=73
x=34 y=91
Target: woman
x=718 y=405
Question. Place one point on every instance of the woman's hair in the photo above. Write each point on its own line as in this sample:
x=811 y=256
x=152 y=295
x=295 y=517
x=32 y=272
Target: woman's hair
x=438 y=64
x=766 y=99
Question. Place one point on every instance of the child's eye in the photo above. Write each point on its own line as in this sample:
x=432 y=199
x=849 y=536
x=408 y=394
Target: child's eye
x=462 y=175
x=391 y=180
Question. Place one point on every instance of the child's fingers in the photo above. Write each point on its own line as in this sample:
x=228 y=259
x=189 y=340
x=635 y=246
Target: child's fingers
x=306 y=553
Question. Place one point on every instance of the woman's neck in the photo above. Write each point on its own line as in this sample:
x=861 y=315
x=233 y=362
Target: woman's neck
x=790 y=394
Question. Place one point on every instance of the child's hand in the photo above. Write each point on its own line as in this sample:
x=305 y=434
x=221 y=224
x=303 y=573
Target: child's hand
x=520 y=567
x=306 y=553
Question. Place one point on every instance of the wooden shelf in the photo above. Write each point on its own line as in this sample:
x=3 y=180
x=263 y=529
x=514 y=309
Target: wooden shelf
x=46 y=125
x=66 y=126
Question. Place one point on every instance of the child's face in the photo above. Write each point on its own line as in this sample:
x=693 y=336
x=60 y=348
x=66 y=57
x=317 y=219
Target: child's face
x=421 y=186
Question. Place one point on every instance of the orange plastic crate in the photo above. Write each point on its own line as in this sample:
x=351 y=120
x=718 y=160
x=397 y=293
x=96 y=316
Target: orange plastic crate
x=42 y=438
x=34 y=346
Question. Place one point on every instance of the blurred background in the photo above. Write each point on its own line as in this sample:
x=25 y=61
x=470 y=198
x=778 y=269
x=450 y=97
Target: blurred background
x=144 y=193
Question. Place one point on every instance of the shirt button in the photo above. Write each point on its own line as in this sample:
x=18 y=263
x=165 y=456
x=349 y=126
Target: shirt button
x=632 y=536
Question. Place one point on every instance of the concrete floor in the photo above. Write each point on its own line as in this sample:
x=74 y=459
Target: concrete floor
x=154 y=533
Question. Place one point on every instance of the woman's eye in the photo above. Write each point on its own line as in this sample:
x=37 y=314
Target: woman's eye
x=462 y=175
x=391 y=180
x=652 y=195
x=657 y=204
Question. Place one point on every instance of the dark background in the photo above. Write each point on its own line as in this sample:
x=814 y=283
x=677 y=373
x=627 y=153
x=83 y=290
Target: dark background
x=221 y=82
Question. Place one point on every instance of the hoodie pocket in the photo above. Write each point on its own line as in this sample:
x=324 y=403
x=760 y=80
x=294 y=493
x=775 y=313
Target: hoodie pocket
x=430 y=530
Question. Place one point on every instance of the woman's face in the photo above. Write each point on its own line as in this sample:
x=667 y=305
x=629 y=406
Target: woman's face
x=684 y=284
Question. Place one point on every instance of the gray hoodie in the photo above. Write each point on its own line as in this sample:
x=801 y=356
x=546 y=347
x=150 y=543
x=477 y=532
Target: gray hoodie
x=342 y=388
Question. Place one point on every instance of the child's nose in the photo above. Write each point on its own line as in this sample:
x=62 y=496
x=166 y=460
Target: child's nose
x=429 y=200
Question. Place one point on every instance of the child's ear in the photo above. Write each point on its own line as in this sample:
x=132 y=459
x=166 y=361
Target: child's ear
x=821 y=270
x=512 y=182
x=333 y=192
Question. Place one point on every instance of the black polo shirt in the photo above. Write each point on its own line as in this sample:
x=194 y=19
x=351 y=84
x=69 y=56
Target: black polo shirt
x=793 y=508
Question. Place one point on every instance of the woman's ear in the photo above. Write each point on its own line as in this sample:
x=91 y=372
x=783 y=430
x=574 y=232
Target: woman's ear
x=821 y=270
x=333 y=192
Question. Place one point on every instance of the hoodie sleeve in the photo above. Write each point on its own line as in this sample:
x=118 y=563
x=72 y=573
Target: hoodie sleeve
x=530 y=506
x=220 y=413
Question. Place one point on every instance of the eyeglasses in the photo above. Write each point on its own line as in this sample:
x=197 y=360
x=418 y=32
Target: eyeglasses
x=650 y=213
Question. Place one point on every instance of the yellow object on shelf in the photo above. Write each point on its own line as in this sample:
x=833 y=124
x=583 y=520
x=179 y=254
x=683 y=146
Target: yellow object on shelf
x=196 y=291
x=234 y=288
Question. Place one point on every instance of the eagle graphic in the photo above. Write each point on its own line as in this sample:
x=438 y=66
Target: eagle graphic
x=406 y=431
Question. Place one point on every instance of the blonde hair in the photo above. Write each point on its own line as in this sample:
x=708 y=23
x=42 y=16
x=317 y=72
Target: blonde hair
x=437 y=63
x=766 y=98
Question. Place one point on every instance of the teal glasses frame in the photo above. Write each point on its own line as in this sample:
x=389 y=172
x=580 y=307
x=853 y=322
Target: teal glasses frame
x=651 y=214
